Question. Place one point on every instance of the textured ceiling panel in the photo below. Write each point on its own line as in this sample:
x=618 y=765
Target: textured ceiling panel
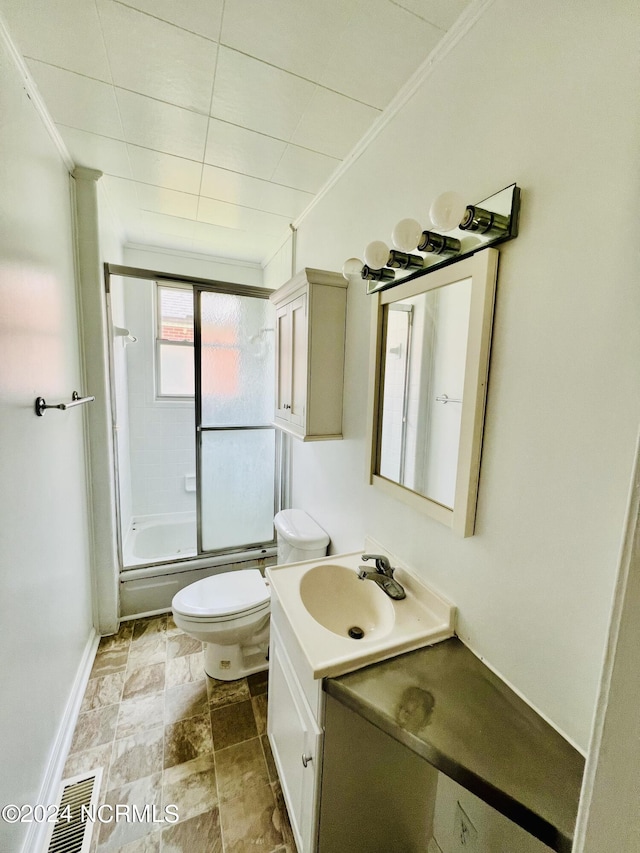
x=216 y=121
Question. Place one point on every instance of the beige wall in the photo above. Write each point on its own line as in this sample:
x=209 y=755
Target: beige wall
x=45 y=600
x=541 y=94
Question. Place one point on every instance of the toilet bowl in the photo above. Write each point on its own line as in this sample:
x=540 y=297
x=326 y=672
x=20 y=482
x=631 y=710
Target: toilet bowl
x=229 y=612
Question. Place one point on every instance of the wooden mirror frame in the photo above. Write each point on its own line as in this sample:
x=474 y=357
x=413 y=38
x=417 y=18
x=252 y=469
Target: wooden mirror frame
x=482 y=269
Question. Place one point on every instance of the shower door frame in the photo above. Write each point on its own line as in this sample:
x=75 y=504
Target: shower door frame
x=234 y=290
x=282 y=446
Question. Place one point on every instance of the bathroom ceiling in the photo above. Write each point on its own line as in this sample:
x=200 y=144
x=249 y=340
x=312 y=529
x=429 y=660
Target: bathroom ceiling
x=215 y=122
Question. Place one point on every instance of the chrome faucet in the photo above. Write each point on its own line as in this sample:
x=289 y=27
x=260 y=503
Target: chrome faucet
x=383 y=576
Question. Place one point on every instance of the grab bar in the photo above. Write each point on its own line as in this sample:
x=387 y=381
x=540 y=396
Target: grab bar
x=76 y=400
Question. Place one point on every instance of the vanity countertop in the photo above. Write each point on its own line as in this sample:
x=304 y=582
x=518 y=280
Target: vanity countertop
x=443 y=703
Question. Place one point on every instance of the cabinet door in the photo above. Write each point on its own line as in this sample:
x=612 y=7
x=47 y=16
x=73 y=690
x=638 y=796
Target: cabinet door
x=283 y=362
x=296 y=742
x=298 y=310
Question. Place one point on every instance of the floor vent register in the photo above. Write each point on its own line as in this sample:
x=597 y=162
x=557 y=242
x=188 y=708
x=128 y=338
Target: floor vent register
x=77 y=801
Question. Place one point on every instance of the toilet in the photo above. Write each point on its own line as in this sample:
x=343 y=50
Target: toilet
x=229 y=612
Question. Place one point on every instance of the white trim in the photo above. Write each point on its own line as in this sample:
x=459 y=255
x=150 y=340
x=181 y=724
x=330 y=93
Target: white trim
x=458 y=31
x=37 y=832
x=34 y=94
x=605 y=776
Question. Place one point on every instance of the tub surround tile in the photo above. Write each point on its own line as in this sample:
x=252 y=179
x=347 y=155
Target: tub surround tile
x=182 y=670
x=200 y=834
x=136 y=715
x=95 y=728
x=232 y=724
x=186 y=700
x=136 y=757
x=226 y=692
x=248 y=822
x=186 y=740
x=181 y=644
x=103 y=690
x=259 y=704
x=191 y=786
x=143 y=792
x=239 y=768
x=143 y=681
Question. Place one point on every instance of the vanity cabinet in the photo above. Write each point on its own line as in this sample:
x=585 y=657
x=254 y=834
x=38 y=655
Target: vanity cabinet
x=310 y=338
x=294 y=727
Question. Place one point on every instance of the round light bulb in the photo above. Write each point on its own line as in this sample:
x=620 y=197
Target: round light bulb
x=447 y=211
x=407 y=234
x=376 y=255
x=352 y=267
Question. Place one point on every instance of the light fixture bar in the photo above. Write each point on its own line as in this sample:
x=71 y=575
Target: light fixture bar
x=468 y=229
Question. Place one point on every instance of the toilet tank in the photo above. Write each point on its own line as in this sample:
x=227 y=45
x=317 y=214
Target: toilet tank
x=299 y=537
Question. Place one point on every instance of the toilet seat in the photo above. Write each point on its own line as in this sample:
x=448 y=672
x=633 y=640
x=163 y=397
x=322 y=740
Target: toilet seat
x=223 y=597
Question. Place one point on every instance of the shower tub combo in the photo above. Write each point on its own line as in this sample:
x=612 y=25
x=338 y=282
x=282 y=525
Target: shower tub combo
x=160 y=557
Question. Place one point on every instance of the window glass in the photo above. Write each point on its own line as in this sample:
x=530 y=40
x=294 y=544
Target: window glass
x=174 y=349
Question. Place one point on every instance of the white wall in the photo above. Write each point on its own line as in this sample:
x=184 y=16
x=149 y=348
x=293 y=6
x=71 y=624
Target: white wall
x=538 y=94
x=45 y=605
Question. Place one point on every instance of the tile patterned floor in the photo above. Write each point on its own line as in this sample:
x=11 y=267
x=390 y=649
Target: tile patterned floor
x=165 y=733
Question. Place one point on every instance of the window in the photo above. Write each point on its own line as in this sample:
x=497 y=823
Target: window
x=174 y=341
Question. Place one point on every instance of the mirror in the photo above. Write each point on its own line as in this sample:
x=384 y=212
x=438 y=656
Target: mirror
x=431 y=339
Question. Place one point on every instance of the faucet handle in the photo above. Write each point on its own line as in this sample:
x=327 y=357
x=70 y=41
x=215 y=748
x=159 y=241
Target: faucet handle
x=382 y=563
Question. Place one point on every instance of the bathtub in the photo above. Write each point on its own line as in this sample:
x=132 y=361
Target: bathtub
x=160 y=557
x=160 y=539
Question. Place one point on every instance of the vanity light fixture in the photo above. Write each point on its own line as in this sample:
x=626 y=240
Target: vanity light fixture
x=493 y=220
x=449 y=211
x=378 y=255
x=408 y=235
x=356 y=268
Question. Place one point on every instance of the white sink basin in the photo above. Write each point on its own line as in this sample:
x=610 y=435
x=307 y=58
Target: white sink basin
x=324 y=599
x=338 y=600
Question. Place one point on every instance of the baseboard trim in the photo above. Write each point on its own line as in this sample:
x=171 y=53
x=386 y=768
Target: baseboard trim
x=37 y=832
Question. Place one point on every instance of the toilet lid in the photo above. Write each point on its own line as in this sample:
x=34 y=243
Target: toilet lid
x=225 y=594
x=300 y=530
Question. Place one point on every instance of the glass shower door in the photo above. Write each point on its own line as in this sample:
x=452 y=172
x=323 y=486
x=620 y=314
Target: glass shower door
x=236 y=441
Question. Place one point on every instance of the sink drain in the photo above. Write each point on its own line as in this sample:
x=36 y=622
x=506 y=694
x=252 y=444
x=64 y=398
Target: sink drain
x=355 y=633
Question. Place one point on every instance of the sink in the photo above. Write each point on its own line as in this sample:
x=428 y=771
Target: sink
x=336 y=598
x=321 y=600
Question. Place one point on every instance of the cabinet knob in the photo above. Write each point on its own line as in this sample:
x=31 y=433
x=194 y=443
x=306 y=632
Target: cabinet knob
x=287 y=406
x=306 y=759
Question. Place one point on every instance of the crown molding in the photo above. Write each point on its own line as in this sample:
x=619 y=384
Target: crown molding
x=34 y=95
x=458 y=31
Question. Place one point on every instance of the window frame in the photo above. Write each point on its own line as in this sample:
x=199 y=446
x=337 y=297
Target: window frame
x=159 y=341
